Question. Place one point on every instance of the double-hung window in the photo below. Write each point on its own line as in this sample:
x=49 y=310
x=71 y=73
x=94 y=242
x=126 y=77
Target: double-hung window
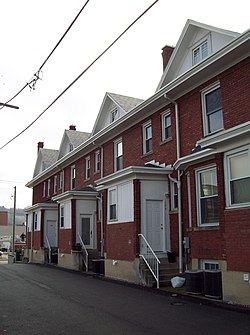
x=212 y=110
x=48 y=191
x=44 y=188
x=207 y=197
x=174 y=196
x=87 y=168
x=62 y=216
x=55 y=184
x=147 y=138
x=114 y=115
x=35 y=221
x=200 y=52
x=118 y=155
x=73 y=177
x=97 y=161
x=61 y=180
x=166 y=126
x=113 y=204
x=238 y=167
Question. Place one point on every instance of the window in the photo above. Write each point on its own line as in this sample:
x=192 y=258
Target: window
x=166 y=126
x=35 y=222
x=207 y=197
x=55 y=184
x=200 y=52
x=118 y=155
x=238 y=164
x=97 y=161
x=147 y=138
x=48 y=194
x=61 y=180
x=71 y=147
x=209 y=265
x=174 y=196
x=62 y=217
x=113 y=204
x=212 y=110
x=44 y=188
x=113 y=115
x=87 y=168
x=73 y=177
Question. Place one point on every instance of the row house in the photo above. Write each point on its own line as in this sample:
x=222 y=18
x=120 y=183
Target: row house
x=166 y=176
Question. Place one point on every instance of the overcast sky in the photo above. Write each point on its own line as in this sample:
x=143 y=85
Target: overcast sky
x=133 y=66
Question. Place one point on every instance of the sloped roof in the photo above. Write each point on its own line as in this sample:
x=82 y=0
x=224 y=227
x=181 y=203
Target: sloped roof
x=45 y=158
x=186 y=39
x=73 y=137
x=125 y=103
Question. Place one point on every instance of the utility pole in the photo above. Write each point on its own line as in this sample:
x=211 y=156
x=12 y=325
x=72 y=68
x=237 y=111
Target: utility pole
x=14 y=224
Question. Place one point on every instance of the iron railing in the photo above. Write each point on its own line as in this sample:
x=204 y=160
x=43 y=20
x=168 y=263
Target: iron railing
x=150 y=258
x=85 y=254
x=49 y=247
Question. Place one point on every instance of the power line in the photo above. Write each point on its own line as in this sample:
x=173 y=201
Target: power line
x=36 y=76
x=80 y=75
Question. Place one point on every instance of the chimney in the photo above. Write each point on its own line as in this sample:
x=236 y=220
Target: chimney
x=39 y=146
x=166 y=54
x=72 y=127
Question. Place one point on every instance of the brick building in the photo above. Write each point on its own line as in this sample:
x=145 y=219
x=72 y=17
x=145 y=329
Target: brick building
x=156 y=173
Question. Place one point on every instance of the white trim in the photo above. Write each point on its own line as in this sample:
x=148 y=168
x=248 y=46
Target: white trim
x=198 y=195
x=204 y=93
x=55 y=184
x=227 y=156
x=173 y=194
x=112 y=189
x=48 y=190
x=165 y=114
x=144 y=139
x=197 y=157
x=189 y=201
x=62 y=217
x=97 y=161
x=87 y=168
x=198 y=44
x=72 y=177
x=208 y=261
x=116 y=143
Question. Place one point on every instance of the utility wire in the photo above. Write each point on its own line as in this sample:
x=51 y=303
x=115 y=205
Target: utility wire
x=80 y=75
x=36 y=76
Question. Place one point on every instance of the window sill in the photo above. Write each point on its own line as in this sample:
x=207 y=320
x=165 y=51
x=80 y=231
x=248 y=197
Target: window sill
x=147 y=154
x=239 y=207
x=206 y=228
x=174 y=211
x=166 y=140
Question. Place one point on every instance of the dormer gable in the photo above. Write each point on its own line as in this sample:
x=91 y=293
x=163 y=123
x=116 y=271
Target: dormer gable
x=71 y=139
x=113 y=107
x=197 y=42
x=45 y=158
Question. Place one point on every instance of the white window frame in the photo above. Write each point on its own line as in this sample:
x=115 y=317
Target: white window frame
x=62 y=216
x=114 y=115
x=116 y=157
x=113 y=189
x=212 y=263
x=165 y=115
x=198 y=46
x=228 y=155
x=204 y=93
x=35 y=221
x=174 y=195
x=87 y=167
x=97 y=161
x=55 y=184
x=199 y=197
x=72 y=177
x=44 y=189
x=61 y=180
x=71 y=147
x=48 y=190
x=145 y=139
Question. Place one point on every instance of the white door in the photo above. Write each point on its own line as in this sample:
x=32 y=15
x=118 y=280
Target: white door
x=52 y=232
x=87 y=233
x=155 y=226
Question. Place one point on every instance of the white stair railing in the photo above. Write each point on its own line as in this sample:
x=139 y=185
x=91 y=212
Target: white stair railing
x=85 y=254
x=150 y=258
x=49 y=247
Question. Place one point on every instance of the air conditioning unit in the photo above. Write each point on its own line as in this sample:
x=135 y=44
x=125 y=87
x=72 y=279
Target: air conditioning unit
x=195 y=282
x=212 y=284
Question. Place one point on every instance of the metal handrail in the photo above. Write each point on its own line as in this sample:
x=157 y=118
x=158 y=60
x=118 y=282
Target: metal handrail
x=85 y=252
x=150 y=258
x=49 y=247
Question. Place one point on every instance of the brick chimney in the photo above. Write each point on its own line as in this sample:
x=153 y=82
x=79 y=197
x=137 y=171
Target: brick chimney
x=72 y=127
x=166 y=54
x=39 y=146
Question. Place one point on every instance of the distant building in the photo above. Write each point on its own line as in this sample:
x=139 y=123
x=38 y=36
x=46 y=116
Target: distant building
x=4 y=216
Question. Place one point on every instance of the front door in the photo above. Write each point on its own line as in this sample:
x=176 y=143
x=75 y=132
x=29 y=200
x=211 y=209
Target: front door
x=52 y=232
x=155 y=226
x=87 y=234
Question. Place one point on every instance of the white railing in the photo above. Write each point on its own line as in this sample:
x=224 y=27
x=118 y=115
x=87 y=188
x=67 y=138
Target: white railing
x=85 y=254
x=49 y=247
x=150 y=258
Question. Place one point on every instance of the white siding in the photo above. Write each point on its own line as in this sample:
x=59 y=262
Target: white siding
x=125 y=202
x=67 y=214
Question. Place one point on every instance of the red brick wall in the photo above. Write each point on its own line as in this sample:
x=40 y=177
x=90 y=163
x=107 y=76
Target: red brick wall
x=64 y=240
x=3 y=218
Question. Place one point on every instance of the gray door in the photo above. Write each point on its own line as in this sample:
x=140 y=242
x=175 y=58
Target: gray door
x=155 y=227
x=87 y=230
x=52 y=232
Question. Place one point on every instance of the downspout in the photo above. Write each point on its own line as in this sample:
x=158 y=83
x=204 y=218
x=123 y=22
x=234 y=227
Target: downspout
x=178 y=180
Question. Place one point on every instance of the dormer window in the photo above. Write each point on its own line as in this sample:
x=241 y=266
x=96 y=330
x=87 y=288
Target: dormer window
x=114 y=115
x=201 y=50
x=71 y=147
